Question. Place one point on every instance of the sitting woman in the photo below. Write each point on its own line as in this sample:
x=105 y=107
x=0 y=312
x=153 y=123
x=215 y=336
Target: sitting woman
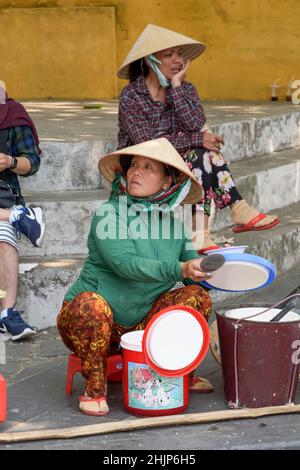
x=158 y=102
x=132 y=263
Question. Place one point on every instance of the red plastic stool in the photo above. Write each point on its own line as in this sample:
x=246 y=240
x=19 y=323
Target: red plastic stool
x=114 y=370
x=3 y=399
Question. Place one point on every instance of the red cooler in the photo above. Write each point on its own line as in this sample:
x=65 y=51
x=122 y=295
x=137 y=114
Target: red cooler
x=3 y=399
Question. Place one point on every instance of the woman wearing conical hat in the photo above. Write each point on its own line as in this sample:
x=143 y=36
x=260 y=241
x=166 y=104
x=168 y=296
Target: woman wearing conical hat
x=158 y=102
x=138 y=251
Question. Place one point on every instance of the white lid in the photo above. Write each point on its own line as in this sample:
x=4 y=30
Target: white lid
x=132 y=340
x=174 y=340
x=240 y=313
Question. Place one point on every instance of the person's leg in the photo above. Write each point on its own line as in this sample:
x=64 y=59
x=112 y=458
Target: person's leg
x=247 y=218
x=199 y=161
x=4 y=215
x=85 y=326
x=9 y=271
x=192 y=296
x=28 y=221
x=213 y=172
x=201 y=236
x=10 y=318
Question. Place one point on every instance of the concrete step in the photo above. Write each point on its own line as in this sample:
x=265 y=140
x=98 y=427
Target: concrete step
x=68 y=218
x=73 y=139
x=266 y=182
x=42 y=289
x=68 y=166
x=250 y=137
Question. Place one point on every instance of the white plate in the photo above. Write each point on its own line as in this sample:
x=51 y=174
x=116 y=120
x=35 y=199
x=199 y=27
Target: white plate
x=228 y=249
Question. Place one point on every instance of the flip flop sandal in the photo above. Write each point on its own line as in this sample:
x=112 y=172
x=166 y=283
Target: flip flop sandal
x=250 y=226
x=85 y=399
x=200 y=385
x=208 y=248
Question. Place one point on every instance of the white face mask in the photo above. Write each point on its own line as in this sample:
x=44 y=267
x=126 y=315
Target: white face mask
x=153 y=61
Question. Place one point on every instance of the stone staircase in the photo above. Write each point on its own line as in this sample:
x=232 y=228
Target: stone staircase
x=262 y=142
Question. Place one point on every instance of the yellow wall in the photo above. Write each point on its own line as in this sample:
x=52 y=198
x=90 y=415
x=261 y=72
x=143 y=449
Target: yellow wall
x=250 y=43
x=59 y=53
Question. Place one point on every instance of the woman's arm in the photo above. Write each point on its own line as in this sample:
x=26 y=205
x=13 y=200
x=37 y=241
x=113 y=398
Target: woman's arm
x=190 y=263
x=189 y=111
x=26 y=152
x=23 y=165
x=140 y=130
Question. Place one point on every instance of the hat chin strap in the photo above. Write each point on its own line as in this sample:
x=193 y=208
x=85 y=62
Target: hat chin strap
x=153 y=61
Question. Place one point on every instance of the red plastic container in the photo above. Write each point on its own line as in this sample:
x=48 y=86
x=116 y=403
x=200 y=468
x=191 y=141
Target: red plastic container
x=3 y=399
x=157 y=361
x=145 y=392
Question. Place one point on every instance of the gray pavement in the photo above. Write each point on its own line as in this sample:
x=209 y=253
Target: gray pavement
x=36 y=372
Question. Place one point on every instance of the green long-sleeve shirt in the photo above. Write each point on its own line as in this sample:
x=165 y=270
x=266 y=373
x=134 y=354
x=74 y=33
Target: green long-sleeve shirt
x=129 y=268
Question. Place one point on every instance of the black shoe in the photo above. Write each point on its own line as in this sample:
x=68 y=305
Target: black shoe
x=15 y=325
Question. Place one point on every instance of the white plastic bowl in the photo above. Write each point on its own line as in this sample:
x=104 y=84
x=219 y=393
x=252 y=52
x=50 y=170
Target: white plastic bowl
x=229 y=249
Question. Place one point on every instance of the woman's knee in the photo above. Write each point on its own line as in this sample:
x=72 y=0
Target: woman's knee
x=95 y=305
x=86 y=308
x=199 y=299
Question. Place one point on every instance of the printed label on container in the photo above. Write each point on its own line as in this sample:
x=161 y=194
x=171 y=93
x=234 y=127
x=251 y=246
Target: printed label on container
x=148 y=390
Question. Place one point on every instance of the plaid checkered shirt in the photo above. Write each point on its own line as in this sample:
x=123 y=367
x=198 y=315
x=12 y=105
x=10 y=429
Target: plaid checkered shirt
x=20 y=142
x=180 y=118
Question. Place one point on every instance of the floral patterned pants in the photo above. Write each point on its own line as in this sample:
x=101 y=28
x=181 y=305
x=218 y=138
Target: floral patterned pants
x=87 y=328
x=212 y=171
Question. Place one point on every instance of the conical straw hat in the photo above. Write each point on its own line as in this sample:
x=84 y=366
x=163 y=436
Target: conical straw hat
x=154 y=39
x=158 y=149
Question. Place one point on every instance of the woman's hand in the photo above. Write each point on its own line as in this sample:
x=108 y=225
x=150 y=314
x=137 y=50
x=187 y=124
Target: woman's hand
x=212 y=141
x=5 y=161
x=180 y=76
x=191 y=270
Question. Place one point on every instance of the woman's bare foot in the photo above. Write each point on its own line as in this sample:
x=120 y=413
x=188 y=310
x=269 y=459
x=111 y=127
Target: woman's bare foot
x=93 y=406
x=243 y=214
x=204 y=241
x=200 y=385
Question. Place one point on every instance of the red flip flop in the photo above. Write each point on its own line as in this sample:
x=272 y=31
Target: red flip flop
x=200 y=385
x=86 y=399
x=250 y=226
x=208 y=248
